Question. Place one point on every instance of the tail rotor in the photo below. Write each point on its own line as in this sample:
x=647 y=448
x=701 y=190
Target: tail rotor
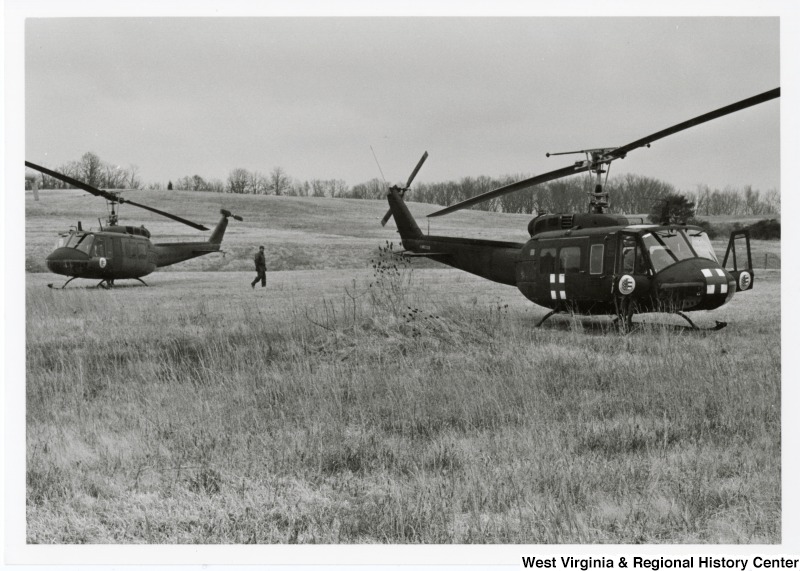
x=228 y=213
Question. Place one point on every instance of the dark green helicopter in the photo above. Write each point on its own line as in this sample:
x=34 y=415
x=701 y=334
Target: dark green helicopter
x=117 y=252
x=596 y=263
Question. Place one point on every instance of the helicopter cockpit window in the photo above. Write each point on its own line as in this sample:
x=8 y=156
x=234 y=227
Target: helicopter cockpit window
x=99 y=248
x=702 y=245
x=633 y=261
x=71 y=239
x=84 y=244
x=570 y=259
x=667 y=247
x=62 y=241
x=547 y=261
x=596 y=259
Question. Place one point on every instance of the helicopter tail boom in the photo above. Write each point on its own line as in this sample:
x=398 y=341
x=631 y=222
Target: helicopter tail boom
x=406 y=224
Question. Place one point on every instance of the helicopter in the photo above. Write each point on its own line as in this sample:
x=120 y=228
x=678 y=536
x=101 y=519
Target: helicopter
x=595 y=262
x=118 y=252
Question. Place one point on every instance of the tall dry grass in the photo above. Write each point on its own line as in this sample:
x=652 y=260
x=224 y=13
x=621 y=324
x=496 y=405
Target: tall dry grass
x=387 y=414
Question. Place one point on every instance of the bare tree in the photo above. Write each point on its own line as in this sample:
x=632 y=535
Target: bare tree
x=215 y=185
x=258 y=184
x=238 y=181
x=131 y=180
x=278 y=181
x=113 y=177
x=301 y=188
x=772 y=200
x=336 y=187
x=317 y=188
x=198 y=183
x=91 y=169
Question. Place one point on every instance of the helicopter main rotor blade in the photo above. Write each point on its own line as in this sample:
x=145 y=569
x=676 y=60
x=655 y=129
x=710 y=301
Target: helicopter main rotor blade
x=721 y=112
x=72 y=181
x=109 y=195
x=513 y=187
x=612 y=154
x=416 y=169
x=162 y=213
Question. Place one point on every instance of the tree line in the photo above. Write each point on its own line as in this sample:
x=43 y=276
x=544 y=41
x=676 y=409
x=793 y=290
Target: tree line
x=91 y=170
x=629 y=193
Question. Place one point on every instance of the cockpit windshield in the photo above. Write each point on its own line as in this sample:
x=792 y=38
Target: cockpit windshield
x=71 y=239
x=667 y=247
x=82 y=242
x=702 y=245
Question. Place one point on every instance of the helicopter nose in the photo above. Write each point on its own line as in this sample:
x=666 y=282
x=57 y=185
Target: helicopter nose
x=697 y=283
x=67 y=261
x=718 y=281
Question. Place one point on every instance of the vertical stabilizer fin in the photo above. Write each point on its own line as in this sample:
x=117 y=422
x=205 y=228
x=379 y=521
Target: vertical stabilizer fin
x=406 y=224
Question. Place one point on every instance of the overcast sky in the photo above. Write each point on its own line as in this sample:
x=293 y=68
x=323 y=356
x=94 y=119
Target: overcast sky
x=484 y=96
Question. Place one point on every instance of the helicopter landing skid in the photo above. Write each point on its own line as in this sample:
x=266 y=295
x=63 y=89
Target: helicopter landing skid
x=546 y=317
x=51 y=286
x=717 y=327
x=110 y=283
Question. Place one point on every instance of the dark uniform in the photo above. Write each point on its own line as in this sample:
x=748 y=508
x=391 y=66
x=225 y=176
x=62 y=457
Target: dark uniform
x=261 y=268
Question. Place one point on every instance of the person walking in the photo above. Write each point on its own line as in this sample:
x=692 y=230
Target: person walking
x=261 y=269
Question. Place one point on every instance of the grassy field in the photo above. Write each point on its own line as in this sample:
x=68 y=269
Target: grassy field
x=328 y=410
x=354 y=405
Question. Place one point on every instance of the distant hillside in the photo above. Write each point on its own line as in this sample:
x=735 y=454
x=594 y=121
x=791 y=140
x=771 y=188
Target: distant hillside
x=298 y=232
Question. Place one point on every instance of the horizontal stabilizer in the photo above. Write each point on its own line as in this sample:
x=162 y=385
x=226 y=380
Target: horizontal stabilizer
x=411 y=254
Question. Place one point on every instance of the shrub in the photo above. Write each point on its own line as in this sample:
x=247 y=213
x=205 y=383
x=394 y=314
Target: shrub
x=766 y=230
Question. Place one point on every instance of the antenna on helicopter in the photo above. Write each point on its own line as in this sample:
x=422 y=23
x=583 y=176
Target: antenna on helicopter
x=379 y=165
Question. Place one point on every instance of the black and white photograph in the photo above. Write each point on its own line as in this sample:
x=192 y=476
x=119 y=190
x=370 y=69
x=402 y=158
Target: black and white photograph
x=385 y=278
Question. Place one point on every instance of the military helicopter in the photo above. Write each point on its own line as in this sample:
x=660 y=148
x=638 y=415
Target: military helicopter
x=596 y=263
x=117 y=252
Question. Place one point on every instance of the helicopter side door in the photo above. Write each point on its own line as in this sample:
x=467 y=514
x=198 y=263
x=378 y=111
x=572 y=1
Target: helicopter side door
x=117 y=251
x=587 y=267
x=738 y=260
x=535 y=270
x=573 y=271
x=130 y=266
x=594 y=280
x=557 y=272
x=103 y=250
x=633 y=270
